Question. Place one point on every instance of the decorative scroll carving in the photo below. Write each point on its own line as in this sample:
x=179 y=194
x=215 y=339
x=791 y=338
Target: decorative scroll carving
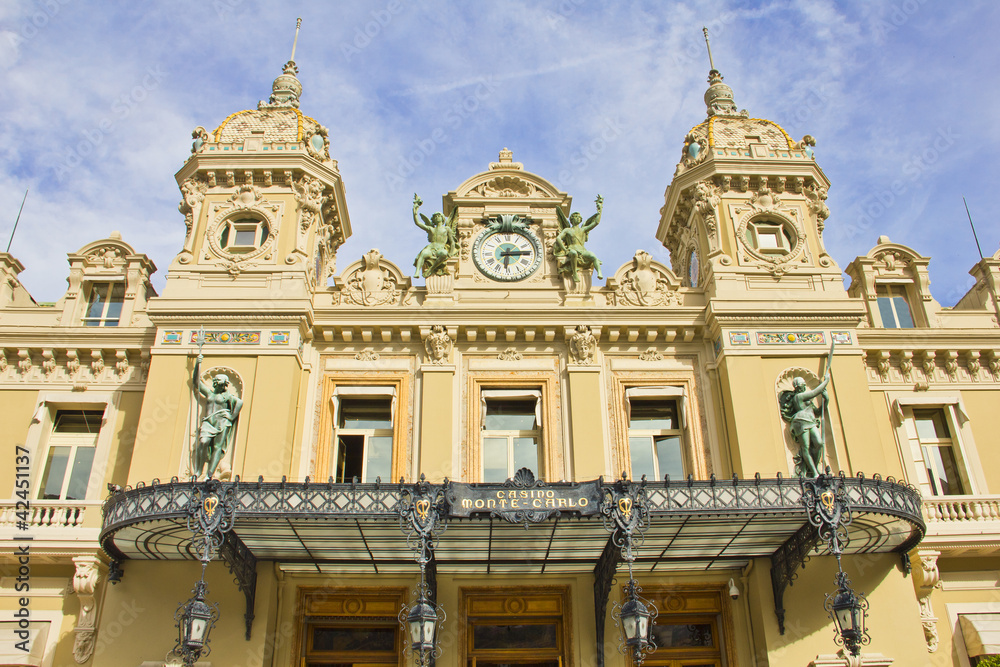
x=24 y=361
x=510 y=354
x=367 y=355
x=926 y=578
x=706 y=199
x=651 y=354
x=507 y=186
x=106 y=256
x=48 y=362
x=84 y=582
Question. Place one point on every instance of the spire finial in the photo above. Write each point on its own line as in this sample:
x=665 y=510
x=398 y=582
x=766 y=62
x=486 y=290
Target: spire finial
x=711 y=64
x=286 y=89
x=298 y=24
x=719 y=96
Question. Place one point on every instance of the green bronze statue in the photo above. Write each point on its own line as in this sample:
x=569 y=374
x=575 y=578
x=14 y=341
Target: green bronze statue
x=215 y=432
x=442 y=237
x=806 y=420
x=568 y=248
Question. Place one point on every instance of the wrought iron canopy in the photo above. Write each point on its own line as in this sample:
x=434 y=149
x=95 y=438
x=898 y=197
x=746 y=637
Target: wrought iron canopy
x=327 y=527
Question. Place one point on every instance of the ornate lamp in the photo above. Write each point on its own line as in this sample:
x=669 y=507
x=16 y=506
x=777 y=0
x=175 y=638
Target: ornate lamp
x=195 y=620
x=847 y=609
x=625 y=511
x=637 y=617
x=421 y=620
x=421 y=518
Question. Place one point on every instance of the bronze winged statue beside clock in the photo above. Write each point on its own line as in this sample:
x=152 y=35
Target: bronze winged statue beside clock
x=442 y=237
x=569 y=249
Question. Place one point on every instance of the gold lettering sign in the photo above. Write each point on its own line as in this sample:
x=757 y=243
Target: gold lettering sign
x=538 y=503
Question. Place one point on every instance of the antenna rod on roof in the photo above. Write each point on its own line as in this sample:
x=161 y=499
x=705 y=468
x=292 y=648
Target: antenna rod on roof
x=710 y=62
x=298 y=24
x=974 y=235
x=19 y=219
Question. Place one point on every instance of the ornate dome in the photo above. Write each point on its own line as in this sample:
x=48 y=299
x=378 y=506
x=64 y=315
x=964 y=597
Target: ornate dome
x=273 y=124
x=728 y=133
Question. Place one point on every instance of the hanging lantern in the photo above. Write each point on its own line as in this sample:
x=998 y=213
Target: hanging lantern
x=195 y=620
x=421 y=621
x=847 y=609
x=635 y=618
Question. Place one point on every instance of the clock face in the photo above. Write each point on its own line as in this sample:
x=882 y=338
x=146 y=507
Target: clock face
x=507 y=256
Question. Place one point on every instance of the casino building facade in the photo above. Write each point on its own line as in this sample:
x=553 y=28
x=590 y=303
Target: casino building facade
x=524 y=441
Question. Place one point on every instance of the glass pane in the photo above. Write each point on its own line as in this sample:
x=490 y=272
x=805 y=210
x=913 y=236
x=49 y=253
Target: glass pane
x=516 y=415
x=683 y=635
x=55 y=472
x=930 y=425
x=78 y=421
x=767 y=239
x=514 y=636
x=245 y=237
x=379 y=458
x=350 y=457
x=494 y=459
x=942 y=471
x=115 y=304
x=354 y=639
x=641 y=453
x=98 y=296
x=656 y=415
x=368 y=413
x=669 y=458
x=263 y=235
x=885 y=311
x=526 y=454
x=224 y=237
x=80 y=474
x=903 y=312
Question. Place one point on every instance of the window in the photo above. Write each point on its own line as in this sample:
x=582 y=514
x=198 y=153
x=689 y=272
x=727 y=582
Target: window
x=349 y=627
x=352 y=643
x=654 y=439
x=104 y=308
x=693 y=635
x=243 y=235
x=519 y=626
x=656 y=432
x=70 y=455
x=363 y=436
x=936 y=443
x=893 y=307
x=769 y=238
x=938 y=452
x=511 y=432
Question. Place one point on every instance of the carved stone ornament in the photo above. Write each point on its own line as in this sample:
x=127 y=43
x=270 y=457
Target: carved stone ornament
x=644 y=285
x=367 y=355
x=48 y=362
x=24 y=361
x=121 y=365
x=891 y=262
x=310 y=198
x=695 y=152
x=84 y=583
x=507 y=186
x=706 y=198
x=651 y=354
x=371 y=284
x=926 y=578
x=106 y=256
x=192 y=195
x=318 y=143
x=3 y=360
x=510 y=354
x=583 y=346
x=438 y=345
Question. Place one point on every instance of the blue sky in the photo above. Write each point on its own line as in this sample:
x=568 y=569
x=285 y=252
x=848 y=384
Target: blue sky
x=99 y=99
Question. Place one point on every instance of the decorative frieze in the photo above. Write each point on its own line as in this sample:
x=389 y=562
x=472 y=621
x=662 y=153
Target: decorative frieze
x=921 y=366
x=791 y=337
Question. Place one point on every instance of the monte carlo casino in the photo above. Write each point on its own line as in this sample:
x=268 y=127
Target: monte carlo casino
x=519 y=457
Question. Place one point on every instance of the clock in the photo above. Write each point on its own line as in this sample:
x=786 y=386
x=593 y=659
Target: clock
x=507 y=254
